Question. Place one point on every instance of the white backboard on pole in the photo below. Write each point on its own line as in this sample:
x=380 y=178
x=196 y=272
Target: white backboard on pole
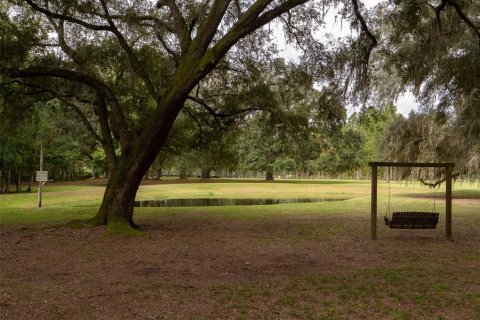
x=42 y=176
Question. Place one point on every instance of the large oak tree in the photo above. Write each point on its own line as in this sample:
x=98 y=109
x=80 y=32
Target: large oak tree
x=135 y=63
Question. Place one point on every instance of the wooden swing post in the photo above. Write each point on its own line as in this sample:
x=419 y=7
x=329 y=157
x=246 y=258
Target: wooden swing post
x=448 y=203
x=448 y=191
x=373 y=223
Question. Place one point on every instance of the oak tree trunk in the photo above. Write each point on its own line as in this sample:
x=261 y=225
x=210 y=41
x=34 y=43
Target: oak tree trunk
x=269 y=176
x=17 y=180
x=183 y=173
x=119 y=197
x=126 y=173
x=30 y=184
x=206 y=173
x=7 y=186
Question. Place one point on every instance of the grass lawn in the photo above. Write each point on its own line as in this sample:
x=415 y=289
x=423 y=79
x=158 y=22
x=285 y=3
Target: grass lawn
x=289 y=261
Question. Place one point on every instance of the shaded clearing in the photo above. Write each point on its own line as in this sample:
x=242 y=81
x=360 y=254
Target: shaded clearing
x=197 y=265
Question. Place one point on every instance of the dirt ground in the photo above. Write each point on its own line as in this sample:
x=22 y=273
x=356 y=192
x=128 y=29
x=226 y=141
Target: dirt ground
x=192 y=266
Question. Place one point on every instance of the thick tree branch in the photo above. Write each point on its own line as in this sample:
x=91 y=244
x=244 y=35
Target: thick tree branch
x=133 y=59
x=45 y=45
x=59 y=28
x=438 y=182
x=438 y=11
x=135 y=63
x=68 y=18
x=238 y=7
x=120 y=124
x=367 y=51
x=140 y=18
x=206 y=107
x=106 y=141
x=166 y=46
x=250 y=20
x=428 y=4
x=74 y=107
x=364 y=25
x=464 y=17
x=199 y=124
x=220 y=115
x=101 y=111
x=278 y=11
x=209 y=26
x=33 y=72
x=292 y=29
x=179 y=24
x=83 y=119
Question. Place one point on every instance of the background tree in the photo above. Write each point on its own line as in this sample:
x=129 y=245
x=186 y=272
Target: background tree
x=67 y=148
x=370 y=124
x=433 y=49
x=275 y=138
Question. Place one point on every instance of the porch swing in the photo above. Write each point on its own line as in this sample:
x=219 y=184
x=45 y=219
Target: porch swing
x=410 y=219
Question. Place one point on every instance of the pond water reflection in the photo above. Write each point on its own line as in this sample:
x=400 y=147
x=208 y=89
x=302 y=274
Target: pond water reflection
x=207 y=202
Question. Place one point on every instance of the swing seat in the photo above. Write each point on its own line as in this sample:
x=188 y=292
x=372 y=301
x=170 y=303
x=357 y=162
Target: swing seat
x=412 y=220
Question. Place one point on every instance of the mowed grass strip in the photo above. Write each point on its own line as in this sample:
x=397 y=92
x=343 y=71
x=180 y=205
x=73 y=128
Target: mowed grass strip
x=62 y=201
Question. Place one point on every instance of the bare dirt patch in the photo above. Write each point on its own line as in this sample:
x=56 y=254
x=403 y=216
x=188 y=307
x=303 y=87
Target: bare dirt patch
x=193 y=267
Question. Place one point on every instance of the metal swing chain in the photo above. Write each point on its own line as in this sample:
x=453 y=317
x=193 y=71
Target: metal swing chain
x=434 y=191
x=388 y=206
x=434 y=195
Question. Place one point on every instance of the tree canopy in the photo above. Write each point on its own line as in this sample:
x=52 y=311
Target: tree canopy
x=432 y=48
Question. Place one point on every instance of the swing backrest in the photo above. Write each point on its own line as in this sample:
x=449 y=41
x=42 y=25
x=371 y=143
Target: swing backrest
x=412 y=220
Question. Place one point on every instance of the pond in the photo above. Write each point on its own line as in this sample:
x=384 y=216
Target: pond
x=207 y=202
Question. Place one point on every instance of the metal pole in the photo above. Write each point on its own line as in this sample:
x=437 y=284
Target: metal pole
x=373 y=226
x=40 y=183
x=448 y=204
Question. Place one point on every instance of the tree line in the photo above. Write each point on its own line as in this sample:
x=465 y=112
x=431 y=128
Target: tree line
x=287 y=134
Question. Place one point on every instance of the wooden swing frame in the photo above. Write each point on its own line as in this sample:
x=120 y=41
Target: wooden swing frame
x=448 y=191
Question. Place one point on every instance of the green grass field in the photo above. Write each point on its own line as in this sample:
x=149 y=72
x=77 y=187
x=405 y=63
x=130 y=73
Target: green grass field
x=289 y=261
x=63 y=202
